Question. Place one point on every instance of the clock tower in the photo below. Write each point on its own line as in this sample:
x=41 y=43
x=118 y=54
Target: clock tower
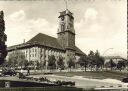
x=66 y=33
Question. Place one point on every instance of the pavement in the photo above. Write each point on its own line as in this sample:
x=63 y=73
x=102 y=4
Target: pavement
x=82 y=82
x=89 y=83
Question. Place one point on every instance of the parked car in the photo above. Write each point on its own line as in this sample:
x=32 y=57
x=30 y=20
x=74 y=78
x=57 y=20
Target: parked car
x=9 y=72
x=125 y=80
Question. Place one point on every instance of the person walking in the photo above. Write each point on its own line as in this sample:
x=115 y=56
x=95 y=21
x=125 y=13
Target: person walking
x=28 y=71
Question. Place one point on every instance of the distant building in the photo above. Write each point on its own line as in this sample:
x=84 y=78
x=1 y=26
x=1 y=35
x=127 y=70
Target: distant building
x=41 y=46
x=114 y=58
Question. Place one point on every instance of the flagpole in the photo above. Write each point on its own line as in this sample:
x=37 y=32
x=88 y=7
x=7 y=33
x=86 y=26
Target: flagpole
x=66 y=4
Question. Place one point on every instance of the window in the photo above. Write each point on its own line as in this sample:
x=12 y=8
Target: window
x=62 y=27
x=62 y=18
x=71 y=19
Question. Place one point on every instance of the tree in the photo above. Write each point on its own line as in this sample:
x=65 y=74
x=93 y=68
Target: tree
x=3 y=38
x=12 y=60
x=17 y=59
x=52 y=62
x=120 y=65
x=31 y=64
x=23 y=63
x=98 y=60
x=101 y=63
x=83 y=61
x=91 y=59
x=71 y=63
x=38 y=65
x=60 y=62
x=112 y=64
x=95 y=60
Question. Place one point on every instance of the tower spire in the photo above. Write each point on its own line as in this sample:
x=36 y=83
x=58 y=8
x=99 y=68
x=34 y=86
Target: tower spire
x=66 y=3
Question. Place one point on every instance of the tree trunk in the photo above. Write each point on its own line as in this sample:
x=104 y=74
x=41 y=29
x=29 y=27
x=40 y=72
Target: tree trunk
x=91 y=68
x=85 y=68
x=96 y=68
x=111 y=68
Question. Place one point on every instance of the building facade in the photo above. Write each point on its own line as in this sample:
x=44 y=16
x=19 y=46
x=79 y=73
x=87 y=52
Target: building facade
x=41 y=46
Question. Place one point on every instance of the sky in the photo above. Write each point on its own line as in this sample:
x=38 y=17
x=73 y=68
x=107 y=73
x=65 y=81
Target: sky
x=99 y=24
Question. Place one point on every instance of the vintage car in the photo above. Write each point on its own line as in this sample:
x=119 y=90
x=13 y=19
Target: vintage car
x=9 y=72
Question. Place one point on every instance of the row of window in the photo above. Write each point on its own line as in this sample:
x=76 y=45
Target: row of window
x=33 y=55
x=31 y=50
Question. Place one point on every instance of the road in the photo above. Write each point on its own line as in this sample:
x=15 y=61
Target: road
x=85 y=82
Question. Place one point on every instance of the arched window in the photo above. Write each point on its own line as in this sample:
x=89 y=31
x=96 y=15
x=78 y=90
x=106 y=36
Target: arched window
x=62 y=27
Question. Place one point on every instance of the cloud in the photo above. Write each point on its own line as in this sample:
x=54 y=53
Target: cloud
x=90 y=14
x=100 y=31
x=18 y=27
x=97 y=26
x=17 y=16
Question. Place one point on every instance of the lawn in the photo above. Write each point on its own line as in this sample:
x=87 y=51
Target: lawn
x=95 y=74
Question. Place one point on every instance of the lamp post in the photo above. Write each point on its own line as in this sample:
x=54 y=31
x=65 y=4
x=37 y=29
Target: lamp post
x=107 y=50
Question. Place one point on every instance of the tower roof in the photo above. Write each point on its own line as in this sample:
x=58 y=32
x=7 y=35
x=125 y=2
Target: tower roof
x=66 y=12
x=45 y=40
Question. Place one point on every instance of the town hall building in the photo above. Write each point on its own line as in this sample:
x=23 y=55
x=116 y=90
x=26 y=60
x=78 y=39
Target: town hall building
x=41 y=46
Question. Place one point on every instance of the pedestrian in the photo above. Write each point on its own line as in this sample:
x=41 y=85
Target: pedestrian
x=28 y=71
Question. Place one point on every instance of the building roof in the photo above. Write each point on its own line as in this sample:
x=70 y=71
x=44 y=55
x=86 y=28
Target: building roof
x=66 y=12
x=114 y=57
x=45 y=40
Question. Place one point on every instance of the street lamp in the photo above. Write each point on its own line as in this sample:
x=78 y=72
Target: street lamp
x=107 y=50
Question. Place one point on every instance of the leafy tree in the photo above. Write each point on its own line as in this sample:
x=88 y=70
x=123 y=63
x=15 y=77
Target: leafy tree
x=83 y=61
x=98 y=60
x=31 y=64
x=71 y=63
x=43 y=64
x=101 y=63
x=52 y=62
x=38 y=64
x=107 y=65
x=120 y=65
x=12 y=60
x=16 y=59
x=91 y=59
x=60 y=62
x=23 y=63
x=112 y=64
x=95 y=60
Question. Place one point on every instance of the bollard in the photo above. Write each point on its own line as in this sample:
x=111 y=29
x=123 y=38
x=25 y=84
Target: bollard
x=120 y=86
x=111 y=86
x=7 y=84
x=102 y=86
